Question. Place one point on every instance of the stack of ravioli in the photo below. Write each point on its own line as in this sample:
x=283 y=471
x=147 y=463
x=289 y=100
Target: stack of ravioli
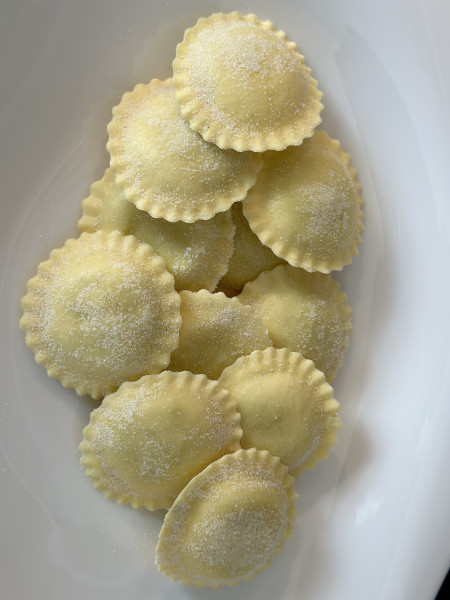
x=198 y=304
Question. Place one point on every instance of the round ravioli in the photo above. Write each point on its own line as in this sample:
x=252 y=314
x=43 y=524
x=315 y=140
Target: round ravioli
x=306 y=205
x=147 y=440
x=215 y=331
x=167 y=169
x=102 y=310
x=243 y=85
x=229 y=521
x=249 y=258
x=286 y=406
x=196 y=254
x=304 y=312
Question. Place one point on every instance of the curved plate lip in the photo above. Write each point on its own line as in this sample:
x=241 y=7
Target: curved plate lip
x=378 y=507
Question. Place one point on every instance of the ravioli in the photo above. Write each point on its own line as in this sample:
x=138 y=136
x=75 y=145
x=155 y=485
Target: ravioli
x=306 y=205
x=147 y=440
x=215 y=331
x=286 y=406
x=196 y=254
x=102 y=310
x=304 y=312
x=229 y=521
x=249 y=258
x=167 y=169
x=243 y=85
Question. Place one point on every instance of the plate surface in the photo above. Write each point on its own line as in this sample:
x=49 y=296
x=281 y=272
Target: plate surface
x=374 y=519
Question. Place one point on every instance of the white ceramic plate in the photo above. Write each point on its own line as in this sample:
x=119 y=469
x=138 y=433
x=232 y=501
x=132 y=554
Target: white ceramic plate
x=374 y=520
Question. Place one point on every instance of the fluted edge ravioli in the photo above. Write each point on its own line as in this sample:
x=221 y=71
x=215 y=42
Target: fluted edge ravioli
x=304 y=312
x=243 y=85
x=306 y=205
x=249 y=258
x=215 y=331
x=166 y=168
x=286 y=406
x=147 y=440
x=102 y=310
x=196 y=254
x=229 y=522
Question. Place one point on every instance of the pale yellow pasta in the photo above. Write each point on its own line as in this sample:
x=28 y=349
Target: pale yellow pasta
x=306 y=205
x=304 y=312
x=243 y=85
x=147 y=440
x=195 y=253
x=197 y=302
x=286 y=406
x=167 y=169
x=229 y=521
x=249 y=258
x=215 y=331
x=102 y=310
